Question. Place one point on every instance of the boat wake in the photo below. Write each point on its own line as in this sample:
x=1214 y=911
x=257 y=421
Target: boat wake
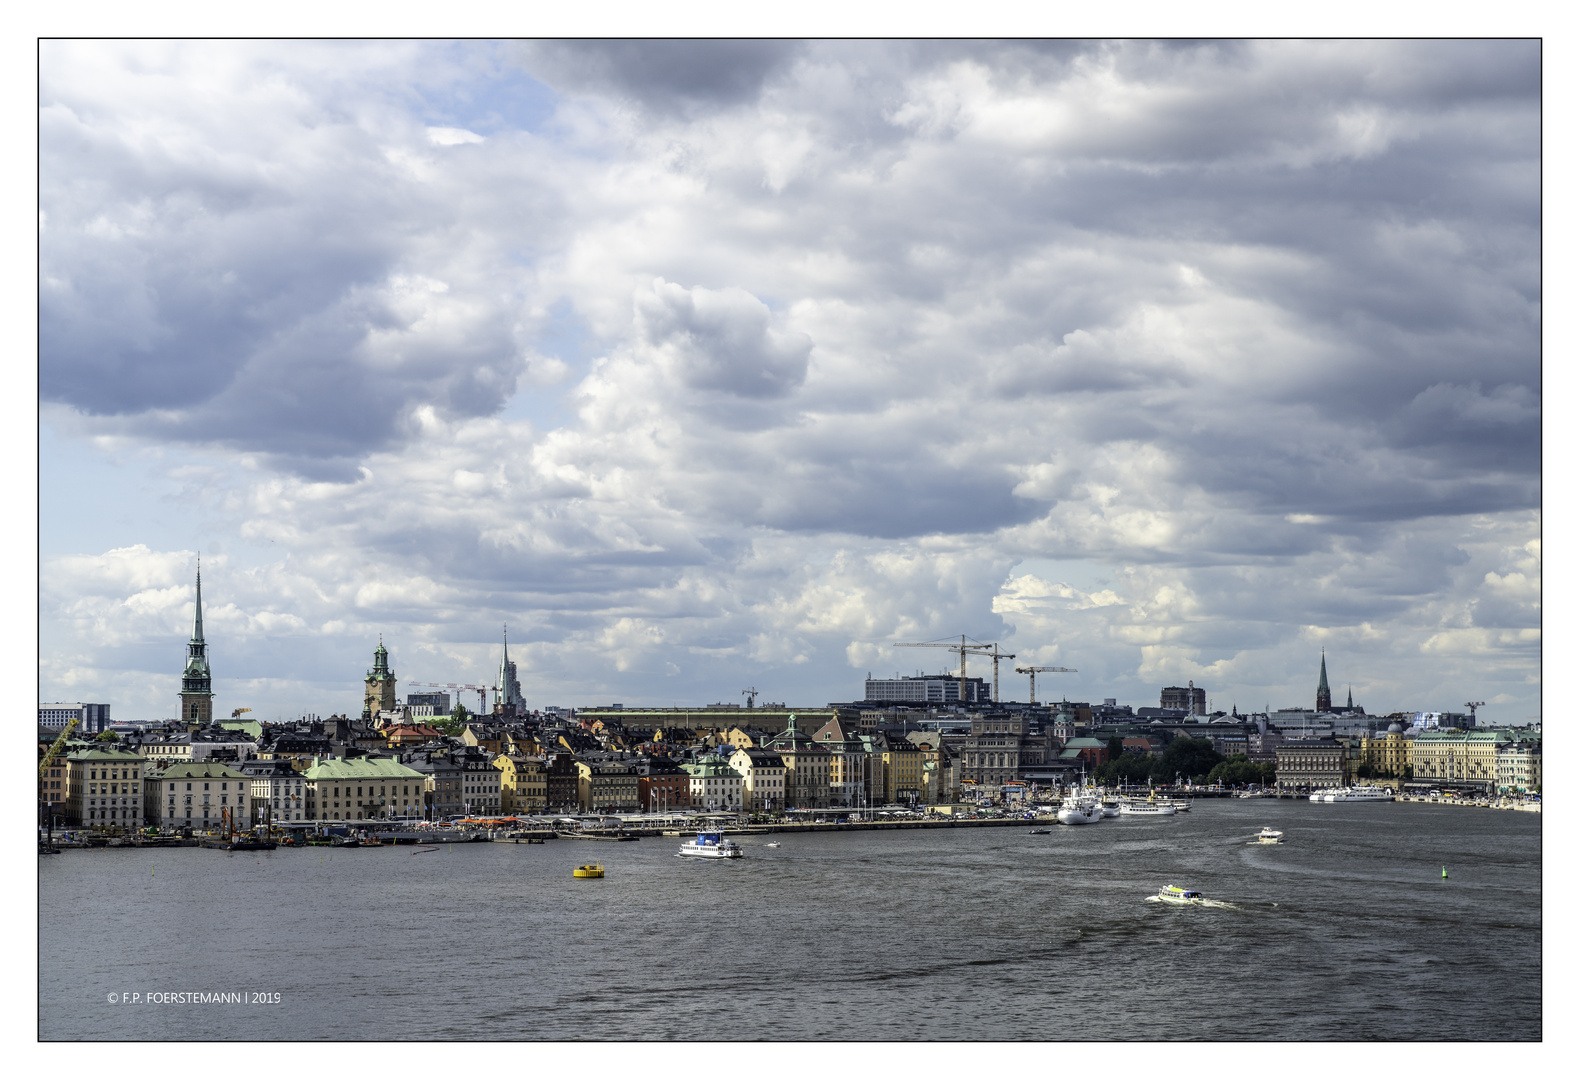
x=1194 y=903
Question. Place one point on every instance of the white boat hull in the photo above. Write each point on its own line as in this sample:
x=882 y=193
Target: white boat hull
x=1079 y=815
x=1148 y=810
x=708 y=853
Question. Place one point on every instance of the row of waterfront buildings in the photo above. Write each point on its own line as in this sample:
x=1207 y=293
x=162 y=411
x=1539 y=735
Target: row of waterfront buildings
x=920 y=739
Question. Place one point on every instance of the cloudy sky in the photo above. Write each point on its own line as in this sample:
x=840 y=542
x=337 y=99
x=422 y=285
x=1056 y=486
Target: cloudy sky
x=707 y=366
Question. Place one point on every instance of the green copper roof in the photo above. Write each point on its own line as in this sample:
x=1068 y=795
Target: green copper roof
x=196 y=677
x=104 y=755
x=202 y=770
x=360 y=769
x=381 y=660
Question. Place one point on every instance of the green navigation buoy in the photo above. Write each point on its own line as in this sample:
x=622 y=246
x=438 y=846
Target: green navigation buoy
x=1445 y=873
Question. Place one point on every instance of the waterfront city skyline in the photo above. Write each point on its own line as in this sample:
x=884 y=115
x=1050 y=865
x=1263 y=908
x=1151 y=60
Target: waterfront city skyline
x=720 y=365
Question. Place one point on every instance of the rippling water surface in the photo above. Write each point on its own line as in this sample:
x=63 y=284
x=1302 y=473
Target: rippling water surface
x=1347 y=931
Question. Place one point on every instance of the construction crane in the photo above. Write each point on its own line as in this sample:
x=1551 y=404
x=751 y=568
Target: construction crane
x=751 y=697
x=234 y=713
x=992 y=651
x=55 y=747
x=1473 y=706
x=1032 y=671
x=482 y=691
x=973 y=649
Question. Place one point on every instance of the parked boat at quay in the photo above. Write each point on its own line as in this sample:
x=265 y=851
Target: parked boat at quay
x=1080 y=808
x=1364 y=793
x=1134 y=808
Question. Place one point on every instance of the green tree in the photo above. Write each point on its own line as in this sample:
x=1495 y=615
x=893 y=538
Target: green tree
x=1239 y=769
x=1186 y=757
x=1130 y=767
x=459 y=718
x=1116 y=746
x=108 y=736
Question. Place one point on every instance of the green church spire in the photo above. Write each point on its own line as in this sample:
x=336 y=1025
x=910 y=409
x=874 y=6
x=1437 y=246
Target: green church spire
x=197 y=682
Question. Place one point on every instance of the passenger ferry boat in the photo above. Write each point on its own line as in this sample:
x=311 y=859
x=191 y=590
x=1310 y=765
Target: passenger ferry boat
x=710 y=845
x=1172 y=894
x=1269 y=835
x=1147 y=809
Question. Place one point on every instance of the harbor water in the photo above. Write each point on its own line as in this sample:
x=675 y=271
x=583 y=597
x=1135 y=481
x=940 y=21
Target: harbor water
x=1347 y=931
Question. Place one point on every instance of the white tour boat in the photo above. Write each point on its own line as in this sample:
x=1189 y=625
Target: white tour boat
x=1111 y=807
x=1365 y=793
x=1171 y=894
x=1269 y=835
x=710 y=845
x=1080 y=808
x=1147 y=809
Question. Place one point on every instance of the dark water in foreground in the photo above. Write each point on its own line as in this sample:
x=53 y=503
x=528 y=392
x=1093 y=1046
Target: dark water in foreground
x=1344 y=932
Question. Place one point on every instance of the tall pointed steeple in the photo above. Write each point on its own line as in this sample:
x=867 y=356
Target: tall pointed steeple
x=1324 y=697
x=510 y=700
x=197 y=618
x=197 y=682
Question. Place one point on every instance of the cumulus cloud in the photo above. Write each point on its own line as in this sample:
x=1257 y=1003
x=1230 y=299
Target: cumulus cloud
x=761 y=355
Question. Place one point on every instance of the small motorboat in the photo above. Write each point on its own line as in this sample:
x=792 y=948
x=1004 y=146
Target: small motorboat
x=1269 y=835
x=1041 y=832
x=772 y=843
x=1171 y=894
x=591 y=870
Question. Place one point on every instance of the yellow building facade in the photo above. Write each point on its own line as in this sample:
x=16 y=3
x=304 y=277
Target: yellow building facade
x=523 y=786
x=1456 y=757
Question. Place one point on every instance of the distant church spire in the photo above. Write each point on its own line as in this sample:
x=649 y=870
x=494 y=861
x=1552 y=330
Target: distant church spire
x=1324 y=697
x=510 y=700
x=197 y=682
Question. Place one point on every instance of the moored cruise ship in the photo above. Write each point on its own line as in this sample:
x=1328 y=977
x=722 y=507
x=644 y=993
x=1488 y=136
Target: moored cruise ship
x=1080 y=808
x=1365 y=793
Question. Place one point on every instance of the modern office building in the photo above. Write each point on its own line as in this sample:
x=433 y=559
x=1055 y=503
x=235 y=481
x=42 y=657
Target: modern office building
x=938 y=689
x=91 y=718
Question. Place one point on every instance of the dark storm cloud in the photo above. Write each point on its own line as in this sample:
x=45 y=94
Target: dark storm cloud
x=666 y=75
x=254 y=289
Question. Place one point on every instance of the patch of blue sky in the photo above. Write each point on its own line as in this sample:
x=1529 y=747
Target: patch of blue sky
x=564 y=337
x=92 y=500
x=498 y=98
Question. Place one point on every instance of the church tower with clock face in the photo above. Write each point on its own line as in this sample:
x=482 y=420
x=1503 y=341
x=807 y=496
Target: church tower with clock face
x=379 y=693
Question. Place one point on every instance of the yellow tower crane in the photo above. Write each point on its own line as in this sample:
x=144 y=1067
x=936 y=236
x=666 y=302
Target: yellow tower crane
x=975 y=648
x=1032 y=671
